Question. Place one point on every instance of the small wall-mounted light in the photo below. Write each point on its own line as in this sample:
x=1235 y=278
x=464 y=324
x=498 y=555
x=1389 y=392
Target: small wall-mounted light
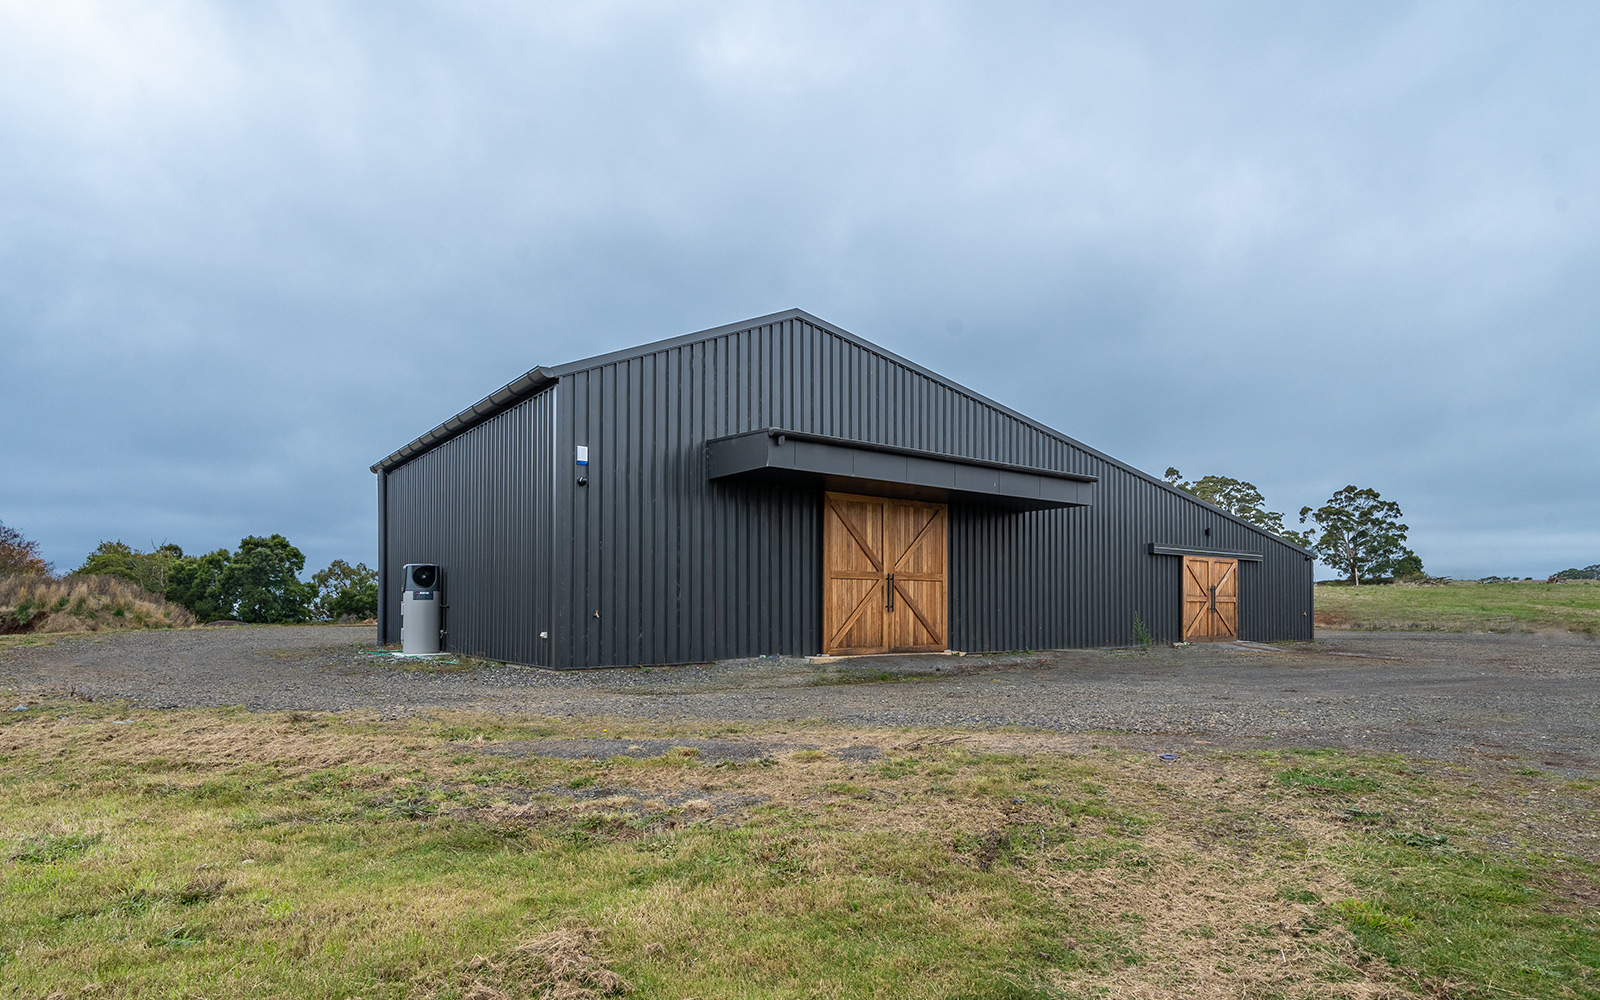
x=583 y=480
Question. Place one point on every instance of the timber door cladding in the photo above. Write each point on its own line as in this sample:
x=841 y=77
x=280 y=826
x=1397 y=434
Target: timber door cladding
x=854 y=581
x=917 y=537
x=1210 y=598
x=885 y=575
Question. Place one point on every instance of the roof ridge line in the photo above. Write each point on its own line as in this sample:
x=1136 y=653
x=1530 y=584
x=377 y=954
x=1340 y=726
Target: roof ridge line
x=553 y=373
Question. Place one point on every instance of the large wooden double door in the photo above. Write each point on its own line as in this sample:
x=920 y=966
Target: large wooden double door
x=1210 y=598
x=885 y=573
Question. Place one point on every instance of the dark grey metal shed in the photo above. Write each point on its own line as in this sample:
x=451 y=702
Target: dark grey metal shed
x=750 y=488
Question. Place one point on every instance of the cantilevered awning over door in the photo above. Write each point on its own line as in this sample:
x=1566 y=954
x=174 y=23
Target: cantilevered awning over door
x=798 y=458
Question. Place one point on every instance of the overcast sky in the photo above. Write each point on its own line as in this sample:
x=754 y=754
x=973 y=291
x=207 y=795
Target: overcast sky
x=247 y=249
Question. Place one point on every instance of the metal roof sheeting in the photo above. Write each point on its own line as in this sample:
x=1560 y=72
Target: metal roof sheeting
x=538 y=378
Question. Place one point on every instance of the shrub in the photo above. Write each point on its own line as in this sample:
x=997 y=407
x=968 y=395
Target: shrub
x=150 y=570
x=18 y=555
x=1141 y=631
x=83 y=604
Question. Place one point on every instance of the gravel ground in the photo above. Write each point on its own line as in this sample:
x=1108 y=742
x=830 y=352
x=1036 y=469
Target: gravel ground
x=712 y=751
x=1530 y=699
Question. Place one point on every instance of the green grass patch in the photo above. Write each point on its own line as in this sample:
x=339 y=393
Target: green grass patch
x=45 y=849
x=1470 y=917
x=1463 y=607
x=314 y=856
x=1328 y=783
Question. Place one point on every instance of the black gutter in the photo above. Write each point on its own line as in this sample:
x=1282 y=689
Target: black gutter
x=531 y=384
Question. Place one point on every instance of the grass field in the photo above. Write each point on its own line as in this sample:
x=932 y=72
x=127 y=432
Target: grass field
x=1463 y=607
x=229 y=854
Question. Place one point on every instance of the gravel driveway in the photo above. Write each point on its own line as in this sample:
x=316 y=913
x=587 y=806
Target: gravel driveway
x=1532 y=699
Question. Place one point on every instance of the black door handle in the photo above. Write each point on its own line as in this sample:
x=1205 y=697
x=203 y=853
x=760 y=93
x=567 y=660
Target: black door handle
x=891 y=591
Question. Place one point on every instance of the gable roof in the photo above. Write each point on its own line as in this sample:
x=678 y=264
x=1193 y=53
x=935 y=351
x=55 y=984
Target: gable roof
x=536 y=380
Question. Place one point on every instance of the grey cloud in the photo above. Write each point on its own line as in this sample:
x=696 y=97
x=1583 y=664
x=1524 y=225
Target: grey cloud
x=246 y=251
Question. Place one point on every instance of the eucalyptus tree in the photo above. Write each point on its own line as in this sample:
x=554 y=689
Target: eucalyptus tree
x=1359 y=533
x=1239 y=498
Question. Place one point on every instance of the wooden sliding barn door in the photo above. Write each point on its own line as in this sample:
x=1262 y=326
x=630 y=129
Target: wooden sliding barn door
x=885 y=575
x=1210 y=598
x=917 y=543
x=854 y=582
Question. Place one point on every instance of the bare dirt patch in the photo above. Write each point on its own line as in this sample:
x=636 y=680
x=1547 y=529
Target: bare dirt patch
x=1572 y=893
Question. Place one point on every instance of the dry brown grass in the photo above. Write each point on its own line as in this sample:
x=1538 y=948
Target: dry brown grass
x=49 y=605
x=1223 y=930
x=1203 y=897
x=562 y=965
x=206 y=744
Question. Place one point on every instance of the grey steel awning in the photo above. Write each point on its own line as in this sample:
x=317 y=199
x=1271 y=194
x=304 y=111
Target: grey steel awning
x=782 y=456
x=1157 y=549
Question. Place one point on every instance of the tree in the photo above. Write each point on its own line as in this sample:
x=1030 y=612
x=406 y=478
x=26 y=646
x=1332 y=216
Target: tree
x=150 y=570
x=259 y=583
x=1587 y=573
x=1239 y=498
x=1359 y=532
x=196 y=583
x=1409 y=567
x=262 y=581
x=19 y=556
x=343 y=589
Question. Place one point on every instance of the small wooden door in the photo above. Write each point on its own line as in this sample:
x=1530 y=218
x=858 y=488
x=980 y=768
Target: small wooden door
x=885 y=569
x=1210 y=599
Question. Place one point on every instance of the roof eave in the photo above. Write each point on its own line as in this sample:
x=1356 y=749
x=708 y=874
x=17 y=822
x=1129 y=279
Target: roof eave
x=531 y=384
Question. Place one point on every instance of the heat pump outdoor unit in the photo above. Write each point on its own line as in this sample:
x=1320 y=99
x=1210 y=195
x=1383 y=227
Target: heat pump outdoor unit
x=419 y=609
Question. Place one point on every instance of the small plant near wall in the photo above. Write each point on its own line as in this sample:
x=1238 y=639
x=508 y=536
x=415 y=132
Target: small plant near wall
x=1141 y=632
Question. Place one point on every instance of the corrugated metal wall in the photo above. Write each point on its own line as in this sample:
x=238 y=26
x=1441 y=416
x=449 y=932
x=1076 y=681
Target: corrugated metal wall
x=1077 y=577
x=665 y=566
x=480 y=505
